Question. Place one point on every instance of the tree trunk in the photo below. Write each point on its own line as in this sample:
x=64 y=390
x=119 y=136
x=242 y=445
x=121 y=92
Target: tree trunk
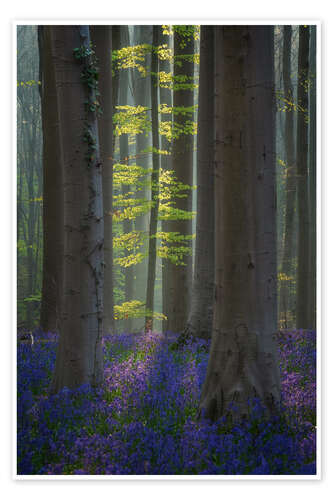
x=79 y=356
x=180 y=278
x=303 y=255
x=142 y=97
x=312 y=180
x=289 y=219
x=155 y=176
x=102 y=38
x=124 y=158
x=201 y=313
x=242 y=361
x=52 y=191
x=165 y=99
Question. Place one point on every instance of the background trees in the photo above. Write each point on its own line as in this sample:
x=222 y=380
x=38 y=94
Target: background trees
x=29 y=179
x=200 y=317
x=303 y=247
x=169 y=65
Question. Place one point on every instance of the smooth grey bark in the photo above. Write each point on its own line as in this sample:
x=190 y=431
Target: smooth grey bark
x=303 y=254
x=180 y=276
x=142 y=97
x=165 y=97
x=312 y=179
x=102 y=40
x=155 y=176
x=52 y=191
x=290 y=189
x=124 y=158
x=243 y=358
x=200 y=319
x=79 y=356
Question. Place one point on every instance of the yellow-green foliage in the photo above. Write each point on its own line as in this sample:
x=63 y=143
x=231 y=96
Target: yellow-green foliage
x=128 y=175
x=29 y=83
x=131 y=120
x=135 y=309
x=174 y=246
x=171 y=188
x=177 y=110
x=130 y=260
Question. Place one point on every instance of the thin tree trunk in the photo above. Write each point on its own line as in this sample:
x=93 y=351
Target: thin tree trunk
x=242 y=361
x=79 y=356
x=303 y=256
x=142 y=97
x=180 y=278
x=124 y=158
x=165 y=99
x=289 y=219
x=312 y=180
x=102 y=38
x=154 y=189
x=200 y=319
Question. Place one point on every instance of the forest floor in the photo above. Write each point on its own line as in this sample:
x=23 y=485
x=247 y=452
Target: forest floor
x=143 y=421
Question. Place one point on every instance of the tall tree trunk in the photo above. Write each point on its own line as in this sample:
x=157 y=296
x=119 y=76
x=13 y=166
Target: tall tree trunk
x=180 y=278
x=165 y=99
x=52 y=191
x=79 y=356
x=124 y=158
x=242 y=361
x=155 y=176
x=142 y=97
x=312 y=180
x=289 y=219
x=102 y=38
x=200 y=319
x=303 y=273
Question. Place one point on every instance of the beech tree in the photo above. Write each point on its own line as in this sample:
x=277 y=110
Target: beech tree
x=79 y=356
x=142 y=97
x=303 y=243
x=151 y=275
x=290 y=189
x=29 y=187
x=102 y=40
x=199 y=323
x=180 y=276
x=124 y=158
x=165 y=98
x=52 y=192
x=312 y=178
x=242 y=361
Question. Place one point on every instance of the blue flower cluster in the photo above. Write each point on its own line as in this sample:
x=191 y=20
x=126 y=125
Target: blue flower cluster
x=143 y=420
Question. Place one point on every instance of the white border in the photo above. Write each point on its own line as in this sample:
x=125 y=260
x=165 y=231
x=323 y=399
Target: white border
x=242 y=478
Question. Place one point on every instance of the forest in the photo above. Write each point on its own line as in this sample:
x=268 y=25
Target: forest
x=166 y=250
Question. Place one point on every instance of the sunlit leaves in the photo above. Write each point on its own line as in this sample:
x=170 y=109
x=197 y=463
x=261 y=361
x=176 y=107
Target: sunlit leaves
x=177 y=110
x=131 y=120
x=29 y=83
x=168 y=212
x=162 y=152
x=284 y=277
x=129 y=241
x=171 y=187
x=130 y=260
x=135 y=309
x=132 y=57
x=128 y=174
x=131 y=213
x=174 y=246
x=173 y=130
